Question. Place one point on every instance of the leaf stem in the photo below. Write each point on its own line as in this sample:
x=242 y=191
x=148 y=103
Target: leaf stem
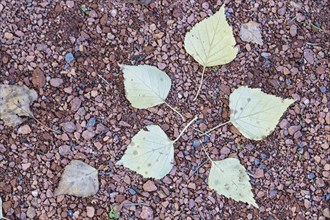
x=32 y=116
x=99 y=75
x=172 y=108
x=318 y=28
x=207 y=154
x=200 y=132
x=45 y=126
x=200 y=84
x=134 y=204
x=184 y=129
x=197 y=168
x=216 y=127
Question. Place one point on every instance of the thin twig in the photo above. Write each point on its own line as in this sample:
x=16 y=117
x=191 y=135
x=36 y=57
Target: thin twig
x=292 y=19
x=318 y=28
x=312 y=44
x=183 y=118
x=216 y=127
x=200 y=84
x=184 y=129
x=200 y=132
x=99 y=75
x=32 y=116
x=207 y=154
x=197 y=168
x=45 y=126
x=134 y=204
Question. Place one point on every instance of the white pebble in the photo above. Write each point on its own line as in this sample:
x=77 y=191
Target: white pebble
x=35 y=193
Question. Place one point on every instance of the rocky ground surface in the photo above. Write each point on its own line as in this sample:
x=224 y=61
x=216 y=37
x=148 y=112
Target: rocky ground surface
x=69 y=54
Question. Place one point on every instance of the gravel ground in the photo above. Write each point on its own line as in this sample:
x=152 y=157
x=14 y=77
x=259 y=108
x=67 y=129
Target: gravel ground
x=70 y=57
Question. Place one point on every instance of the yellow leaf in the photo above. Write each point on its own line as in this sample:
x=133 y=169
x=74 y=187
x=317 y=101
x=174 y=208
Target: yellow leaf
x=254 y=113
x=150 y=153
x=145 y=86
x=229 y=178
x=211 y=41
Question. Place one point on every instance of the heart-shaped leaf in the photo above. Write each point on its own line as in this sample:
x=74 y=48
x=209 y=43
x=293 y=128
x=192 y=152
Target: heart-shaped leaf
x=151 y=153
x=211 y=41
x=229 y=178
x=78 y=179
x=251 y=32
x=15 y=103
x=254 y=113
x=145 y=86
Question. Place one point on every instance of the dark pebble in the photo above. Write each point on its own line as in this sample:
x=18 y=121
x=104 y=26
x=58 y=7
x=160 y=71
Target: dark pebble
x=267 y=64
x=311 y=175
x=196 y=143
x=69 y=57
x=301 y=150
x=317 y=24
x=206 y=139
x=323 y=89
x=288 y=82
x=262 y=166
x=91 y=122
x=70 y=213
x=263 y=156
x=250 y=147
x=110 y=165
x=131 y=191
x=272 y=193
x=327 y=197
x=137 y=47
x=256 y=161
x=104 y=173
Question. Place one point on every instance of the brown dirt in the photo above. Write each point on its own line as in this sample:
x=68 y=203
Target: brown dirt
x=289 y=169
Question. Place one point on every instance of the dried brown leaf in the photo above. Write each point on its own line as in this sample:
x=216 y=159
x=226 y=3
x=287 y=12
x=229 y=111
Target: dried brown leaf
x=250 y=32
x=15 y=103
x=78 y=179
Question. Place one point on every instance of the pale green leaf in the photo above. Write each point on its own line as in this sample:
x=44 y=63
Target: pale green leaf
x=211 y=41
x=145 y=86
x=78 y=179
x=254 y=113
x=151 y=153
x=229 y=178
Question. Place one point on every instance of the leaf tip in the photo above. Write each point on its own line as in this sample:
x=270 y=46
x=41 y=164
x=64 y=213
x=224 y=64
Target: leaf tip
x=291 y=101
x=57 y=192
x=223 y=7
x=288 y=101
x=253 y=203
x=121 y=66
x=119 y=163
